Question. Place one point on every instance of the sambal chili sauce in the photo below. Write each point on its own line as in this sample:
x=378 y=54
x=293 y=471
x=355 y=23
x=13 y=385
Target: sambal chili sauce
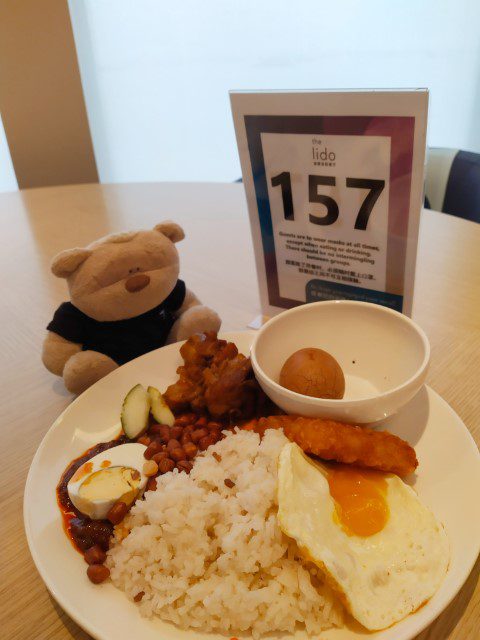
x=84 y=532
x=81 y=530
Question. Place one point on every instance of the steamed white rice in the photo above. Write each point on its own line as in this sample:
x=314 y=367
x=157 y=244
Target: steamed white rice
x=213 y=558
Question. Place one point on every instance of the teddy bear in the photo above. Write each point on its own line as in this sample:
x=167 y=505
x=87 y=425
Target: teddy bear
x=125 y=300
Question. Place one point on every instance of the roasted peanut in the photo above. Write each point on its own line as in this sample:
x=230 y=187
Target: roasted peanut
x=198 y=434
x=184 y=465
x=95 y=555
x=151 y=485
x=117 y=512
x=205 y=442
x=153 y=448
x=177 y=454
x=201 y=422
x=186 y=437
x=138 y=596
x=176 y=432
x=144 y=440
x=160 y=456
x=166 y=465
x=173 y=444
x=150 y=468
x=97 y=573
x=162 y=431
x=190 y=450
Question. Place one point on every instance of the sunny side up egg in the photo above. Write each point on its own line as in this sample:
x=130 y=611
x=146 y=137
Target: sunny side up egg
x=113 y=475
x=378 y=545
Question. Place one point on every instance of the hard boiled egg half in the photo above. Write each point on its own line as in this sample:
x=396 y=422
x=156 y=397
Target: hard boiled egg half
x=113 y=475
x=377 y=544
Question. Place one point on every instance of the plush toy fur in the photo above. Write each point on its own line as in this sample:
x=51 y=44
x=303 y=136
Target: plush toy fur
x=117 y=278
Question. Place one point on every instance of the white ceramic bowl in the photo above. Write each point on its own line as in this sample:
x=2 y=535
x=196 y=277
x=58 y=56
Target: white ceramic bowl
x=383 y=354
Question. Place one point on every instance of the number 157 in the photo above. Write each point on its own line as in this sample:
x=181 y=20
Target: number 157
x=375 y=188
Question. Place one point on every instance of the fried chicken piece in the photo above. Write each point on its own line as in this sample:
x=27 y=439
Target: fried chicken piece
x=226 y=385
x=201 y=348
x=196 y=352
x=215 y=377
x=182 y=394
x=346 y=443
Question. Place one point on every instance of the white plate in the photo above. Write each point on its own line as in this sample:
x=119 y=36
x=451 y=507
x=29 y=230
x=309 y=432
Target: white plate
x=448 y=481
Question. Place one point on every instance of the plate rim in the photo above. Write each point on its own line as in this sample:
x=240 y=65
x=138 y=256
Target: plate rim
x=76 y=614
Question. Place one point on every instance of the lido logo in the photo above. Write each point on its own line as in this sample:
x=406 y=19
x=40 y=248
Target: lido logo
x=322 y=156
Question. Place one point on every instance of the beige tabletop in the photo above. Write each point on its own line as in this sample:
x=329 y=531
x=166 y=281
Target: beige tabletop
x=217 y=264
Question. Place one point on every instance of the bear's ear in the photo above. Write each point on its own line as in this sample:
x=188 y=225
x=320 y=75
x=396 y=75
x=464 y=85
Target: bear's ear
x=172 y=230
x=68 y=261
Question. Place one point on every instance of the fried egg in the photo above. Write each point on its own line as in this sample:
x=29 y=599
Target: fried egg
x=380 y=548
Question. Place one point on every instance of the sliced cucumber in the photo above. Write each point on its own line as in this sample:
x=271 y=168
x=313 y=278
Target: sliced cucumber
x=135 y=410
x=159 y=408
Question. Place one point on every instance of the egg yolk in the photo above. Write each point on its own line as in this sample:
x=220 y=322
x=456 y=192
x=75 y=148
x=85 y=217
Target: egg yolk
x=112 y=481
x=360 y=499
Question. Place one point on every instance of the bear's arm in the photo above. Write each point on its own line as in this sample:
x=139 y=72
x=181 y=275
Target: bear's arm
x=192 y=317
x=189 y=301
x=65 y=335
x=57 y=351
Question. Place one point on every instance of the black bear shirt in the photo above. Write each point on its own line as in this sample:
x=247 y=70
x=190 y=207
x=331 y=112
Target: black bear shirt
x=122 y=340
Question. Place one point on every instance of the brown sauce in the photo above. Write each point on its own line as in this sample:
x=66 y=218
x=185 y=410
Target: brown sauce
x=82 y=531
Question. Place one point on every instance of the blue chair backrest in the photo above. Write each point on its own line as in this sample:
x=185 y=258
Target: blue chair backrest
x=452 y=182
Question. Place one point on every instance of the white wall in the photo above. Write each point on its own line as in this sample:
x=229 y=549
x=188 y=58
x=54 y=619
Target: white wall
x=8 y=181
x=156 y=73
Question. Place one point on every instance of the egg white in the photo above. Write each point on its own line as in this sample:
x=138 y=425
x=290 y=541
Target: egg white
x=128 y=455
x=381 y=578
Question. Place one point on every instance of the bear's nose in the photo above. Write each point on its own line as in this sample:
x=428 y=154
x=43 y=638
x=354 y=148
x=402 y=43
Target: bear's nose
x=137 y=282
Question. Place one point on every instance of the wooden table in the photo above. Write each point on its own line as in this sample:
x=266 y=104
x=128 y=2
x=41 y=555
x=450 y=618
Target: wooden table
x=217 y=263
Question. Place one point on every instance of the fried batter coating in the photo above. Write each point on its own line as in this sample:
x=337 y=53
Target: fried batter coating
x=346 y=443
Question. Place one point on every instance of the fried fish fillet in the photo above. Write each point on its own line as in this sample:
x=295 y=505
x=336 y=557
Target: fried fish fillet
x=346 y=443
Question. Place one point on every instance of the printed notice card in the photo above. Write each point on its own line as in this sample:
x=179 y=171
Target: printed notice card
x=334 y=185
